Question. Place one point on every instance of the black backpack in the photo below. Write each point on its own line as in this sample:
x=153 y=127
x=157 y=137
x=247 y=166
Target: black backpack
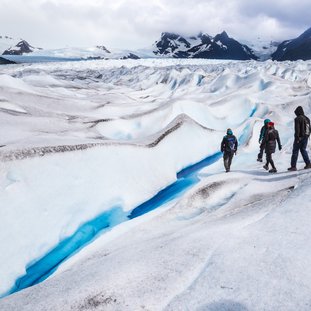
x=306 y=126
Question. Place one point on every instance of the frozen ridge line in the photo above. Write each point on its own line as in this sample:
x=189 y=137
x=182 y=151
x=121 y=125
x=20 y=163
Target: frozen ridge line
x=155 y=139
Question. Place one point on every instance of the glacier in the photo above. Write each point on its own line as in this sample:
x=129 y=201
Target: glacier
x=114 y=166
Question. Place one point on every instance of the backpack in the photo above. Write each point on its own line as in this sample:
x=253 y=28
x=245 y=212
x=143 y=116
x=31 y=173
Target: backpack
x=271 y=135
x=306 y=127
x=231 y=143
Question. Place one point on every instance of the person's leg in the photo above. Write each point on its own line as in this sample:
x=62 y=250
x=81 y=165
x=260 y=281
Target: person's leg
x=270 y=161
x=295 y=152
x=226 y=161
x=303 y=150
x=266 y=166
x=261 y=150
x=230 y=160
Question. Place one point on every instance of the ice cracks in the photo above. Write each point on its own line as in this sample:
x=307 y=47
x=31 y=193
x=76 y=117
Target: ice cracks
x=41 y=269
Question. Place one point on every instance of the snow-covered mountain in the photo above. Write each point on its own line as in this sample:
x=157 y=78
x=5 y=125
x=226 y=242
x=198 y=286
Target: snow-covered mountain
x=170 y=45
x=202 y=46
x=114 y=196
x=294 y=49
x=22 y=47
x=78 y=53
x=20 y=50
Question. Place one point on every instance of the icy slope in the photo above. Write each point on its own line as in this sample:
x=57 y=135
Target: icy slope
x=224 y=246
x=82 y=139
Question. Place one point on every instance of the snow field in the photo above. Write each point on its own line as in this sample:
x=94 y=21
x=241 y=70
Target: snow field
x=142 y=122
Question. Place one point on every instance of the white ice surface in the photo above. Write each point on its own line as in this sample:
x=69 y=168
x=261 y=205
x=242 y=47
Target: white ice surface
x=226 y=243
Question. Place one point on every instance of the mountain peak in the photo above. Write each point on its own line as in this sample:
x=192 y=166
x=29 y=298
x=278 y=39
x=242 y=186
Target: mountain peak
x=169 y=35
x=224 y=35
x=202 y=46
x=22 y=47
x=294 y=49
x=103 y=48
x=306 y=34
x=170 y=43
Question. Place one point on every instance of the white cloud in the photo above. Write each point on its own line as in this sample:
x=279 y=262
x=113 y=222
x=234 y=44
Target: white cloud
x=138 y=23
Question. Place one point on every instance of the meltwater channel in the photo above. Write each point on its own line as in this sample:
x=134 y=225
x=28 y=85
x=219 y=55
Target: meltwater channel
x=41 y=269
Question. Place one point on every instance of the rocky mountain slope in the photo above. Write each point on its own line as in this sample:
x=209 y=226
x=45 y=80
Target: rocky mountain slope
x=294 y=49
x=202 y=46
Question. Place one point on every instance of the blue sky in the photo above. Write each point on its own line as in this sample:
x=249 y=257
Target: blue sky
x=138 y=23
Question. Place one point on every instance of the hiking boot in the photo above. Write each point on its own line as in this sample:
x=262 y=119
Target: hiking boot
x=292 y=168
x=307 y=166
x=273 y=170
x=259 y=159
x=228 y=170
x=266 y=167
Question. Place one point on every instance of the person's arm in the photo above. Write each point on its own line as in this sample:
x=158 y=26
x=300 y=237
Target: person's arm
x=236 y=145
x=297 y=129
x=278 y=140
x=222 y=146
x=265 y=137
x=261 y=134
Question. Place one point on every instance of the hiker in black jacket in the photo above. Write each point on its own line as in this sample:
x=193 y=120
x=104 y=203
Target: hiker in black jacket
x=229 y=147
x=261 y=139
x=302 y=134
x=270 y=139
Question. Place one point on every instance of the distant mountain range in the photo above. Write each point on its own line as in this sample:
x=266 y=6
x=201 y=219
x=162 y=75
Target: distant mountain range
x=202 y=46
x=223 y=47
x=21 y=51
x=172 y=45
x=294 y=49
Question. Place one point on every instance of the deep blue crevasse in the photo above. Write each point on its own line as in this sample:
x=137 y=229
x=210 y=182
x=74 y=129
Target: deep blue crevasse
x=191 y=169
x=38 y=271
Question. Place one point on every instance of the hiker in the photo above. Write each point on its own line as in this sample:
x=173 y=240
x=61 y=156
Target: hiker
x=270 y=139
x=229 y=147
x=261 y=139
x=302 y=134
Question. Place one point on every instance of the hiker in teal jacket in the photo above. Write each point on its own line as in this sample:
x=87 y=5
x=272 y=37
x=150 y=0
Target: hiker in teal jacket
x=261 y=140
x=229 y=147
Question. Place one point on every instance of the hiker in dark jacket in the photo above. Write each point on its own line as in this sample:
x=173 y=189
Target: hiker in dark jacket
x=261 y=139
x=302 y=133
x=271 y=138
x=229 y=147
